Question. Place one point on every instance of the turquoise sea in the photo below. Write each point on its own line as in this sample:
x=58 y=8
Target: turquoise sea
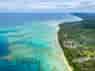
x=10 y=30
x=33 y=30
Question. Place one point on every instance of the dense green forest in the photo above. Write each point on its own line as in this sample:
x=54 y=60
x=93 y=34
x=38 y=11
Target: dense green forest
x=84 y=33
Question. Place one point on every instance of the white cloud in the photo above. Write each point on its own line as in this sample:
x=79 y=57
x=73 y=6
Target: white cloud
x=70 y=5
x=47 y=5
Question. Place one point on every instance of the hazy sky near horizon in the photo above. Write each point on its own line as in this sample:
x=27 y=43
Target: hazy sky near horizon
x=47 y=5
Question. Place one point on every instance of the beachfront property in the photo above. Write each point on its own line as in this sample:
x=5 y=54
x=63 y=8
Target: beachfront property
x=70 y=43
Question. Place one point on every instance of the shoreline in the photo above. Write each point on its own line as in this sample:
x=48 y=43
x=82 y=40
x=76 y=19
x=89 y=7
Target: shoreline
x=64 y=58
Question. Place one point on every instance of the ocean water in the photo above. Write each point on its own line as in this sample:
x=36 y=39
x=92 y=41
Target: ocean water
x=10 y=30
x=34 y=31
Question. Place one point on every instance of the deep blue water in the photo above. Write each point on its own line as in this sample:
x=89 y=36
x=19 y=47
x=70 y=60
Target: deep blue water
x=13 y=19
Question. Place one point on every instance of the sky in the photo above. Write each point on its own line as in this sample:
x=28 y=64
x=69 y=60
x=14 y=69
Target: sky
x=37 y=6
